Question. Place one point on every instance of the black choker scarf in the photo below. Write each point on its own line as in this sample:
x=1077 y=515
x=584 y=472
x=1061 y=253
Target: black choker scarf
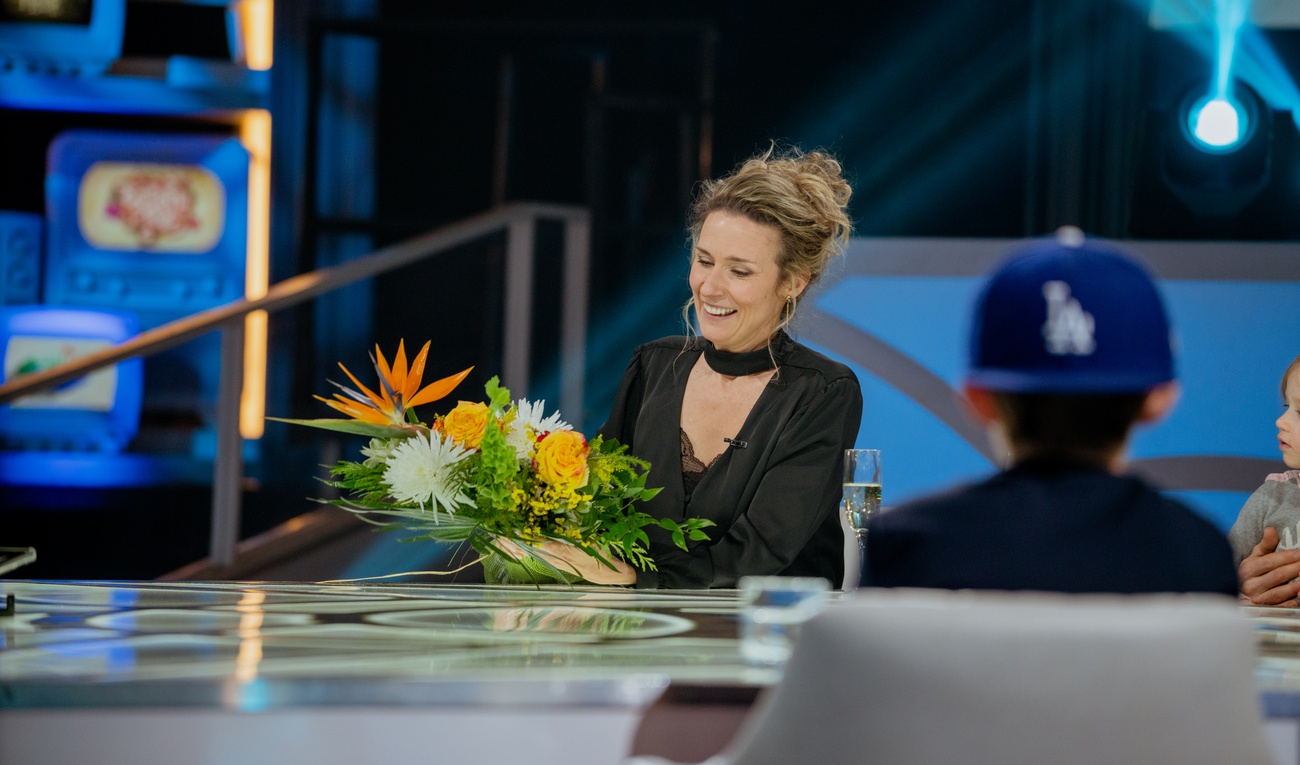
x=740 y=364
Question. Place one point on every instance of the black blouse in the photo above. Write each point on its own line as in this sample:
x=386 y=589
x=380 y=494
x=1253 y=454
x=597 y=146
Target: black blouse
x=775 y=498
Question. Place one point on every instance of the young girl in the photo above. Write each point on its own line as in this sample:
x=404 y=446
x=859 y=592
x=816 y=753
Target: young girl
x=1266 y=536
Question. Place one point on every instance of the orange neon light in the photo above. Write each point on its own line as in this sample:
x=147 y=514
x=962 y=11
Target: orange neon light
x=256 y=19
x=255 y=134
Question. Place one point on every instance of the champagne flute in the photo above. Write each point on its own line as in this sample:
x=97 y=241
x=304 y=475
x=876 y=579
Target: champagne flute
x=861 y=493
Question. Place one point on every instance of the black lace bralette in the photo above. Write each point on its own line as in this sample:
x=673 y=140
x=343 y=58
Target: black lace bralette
x=692 y=468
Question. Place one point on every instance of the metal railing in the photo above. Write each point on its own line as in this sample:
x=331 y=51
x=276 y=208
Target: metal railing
x=518 y=220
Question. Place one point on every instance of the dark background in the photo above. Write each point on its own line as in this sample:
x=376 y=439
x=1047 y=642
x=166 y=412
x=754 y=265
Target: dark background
x=951 y=118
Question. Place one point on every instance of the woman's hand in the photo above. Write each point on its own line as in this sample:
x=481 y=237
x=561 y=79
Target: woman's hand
x=1268 y=575
x=567 y=558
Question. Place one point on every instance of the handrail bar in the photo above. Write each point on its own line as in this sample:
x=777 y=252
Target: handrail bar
x=517 y=220
x=288 y=293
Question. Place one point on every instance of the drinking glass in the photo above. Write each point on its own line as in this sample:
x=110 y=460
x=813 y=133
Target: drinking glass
x=861 y=493
x=772 y=610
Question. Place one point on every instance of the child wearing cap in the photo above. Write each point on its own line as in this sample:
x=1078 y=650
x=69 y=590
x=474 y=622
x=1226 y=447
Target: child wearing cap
x=1266 y=537
x=1070 y=347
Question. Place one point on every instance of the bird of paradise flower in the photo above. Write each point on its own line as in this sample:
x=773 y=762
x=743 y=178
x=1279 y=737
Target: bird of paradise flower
x=378 y=414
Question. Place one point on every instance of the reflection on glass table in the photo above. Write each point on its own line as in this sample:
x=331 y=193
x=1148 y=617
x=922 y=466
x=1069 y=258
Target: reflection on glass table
x=78 y=642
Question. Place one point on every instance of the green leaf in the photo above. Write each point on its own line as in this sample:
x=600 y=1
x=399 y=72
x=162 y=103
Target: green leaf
x=498 y=397
x=689 y=527
x=356 y=427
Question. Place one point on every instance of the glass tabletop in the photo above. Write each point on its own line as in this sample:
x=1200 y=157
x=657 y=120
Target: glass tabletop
x=264 y=644
x=234 y=644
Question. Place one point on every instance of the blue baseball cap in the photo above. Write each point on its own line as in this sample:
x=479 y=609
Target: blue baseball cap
x=1070 y=314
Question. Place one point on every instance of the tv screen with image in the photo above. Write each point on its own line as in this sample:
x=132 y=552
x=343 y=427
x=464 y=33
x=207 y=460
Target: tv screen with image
x=47 y=11
x=73 y=37
x=152 y=222
x=97 y=412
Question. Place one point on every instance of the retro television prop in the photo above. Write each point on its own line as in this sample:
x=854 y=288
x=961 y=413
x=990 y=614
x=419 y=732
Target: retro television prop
x=20 y=257
x=99 y=412
x=155 y=223
x=71 y=37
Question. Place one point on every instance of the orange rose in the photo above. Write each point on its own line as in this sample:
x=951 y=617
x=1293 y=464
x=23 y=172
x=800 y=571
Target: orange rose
x=562 y=459
x=464 y=425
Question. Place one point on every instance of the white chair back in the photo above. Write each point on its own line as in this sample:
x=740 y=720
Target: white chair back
x=918 y=677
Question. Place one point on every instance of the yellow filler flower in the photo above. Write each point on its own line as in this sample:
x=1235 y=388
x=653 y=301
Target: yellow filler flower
x=399 y=389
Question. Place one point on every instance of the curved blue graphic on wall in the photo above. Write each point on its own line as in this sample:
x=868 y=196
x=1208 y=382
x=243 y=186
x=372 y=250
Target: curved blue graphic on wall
x=898 y=314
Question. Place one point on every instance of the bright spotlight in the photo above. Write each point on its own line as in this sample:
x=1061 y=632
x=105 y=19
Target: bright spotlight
x=1218 y=148
x=1218 y=123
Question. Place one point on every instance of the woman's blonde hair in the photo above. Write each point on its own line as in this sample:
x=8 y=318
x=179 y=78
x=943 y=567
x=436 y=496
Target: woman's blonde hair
x=804 y=196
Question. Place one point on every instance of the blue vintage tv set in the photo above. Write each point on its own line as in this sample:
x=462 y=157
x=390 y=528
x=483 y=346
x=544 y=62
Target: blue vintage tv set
x=20 y=257
x=64 y=36
x=99 y=412
x=152 y=222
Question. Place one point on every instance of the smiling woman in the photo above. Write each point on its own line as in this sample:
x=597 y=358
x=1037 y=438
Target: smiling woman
x=737 y=285
x=743 y=425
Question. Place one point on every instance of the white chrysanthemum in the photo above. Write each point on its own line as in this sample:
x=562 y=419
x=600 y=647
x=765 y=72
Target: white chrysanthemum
x=529 y=422
x=378 y=452
x=420 y=471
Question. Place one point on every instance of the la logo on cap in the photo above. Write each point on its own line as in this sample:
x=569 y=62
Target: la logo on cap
x=1069 y=328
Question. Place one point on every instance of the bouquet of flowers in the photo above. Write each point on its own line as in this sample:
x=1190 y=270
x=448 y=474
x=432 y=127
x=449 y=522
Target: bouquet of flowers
x=496 y=474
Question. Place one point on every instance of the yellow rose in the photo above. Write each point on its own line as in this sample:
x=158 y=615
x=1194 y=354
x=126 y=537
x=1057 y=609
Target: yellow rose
x=562 y=459
x=464 y=425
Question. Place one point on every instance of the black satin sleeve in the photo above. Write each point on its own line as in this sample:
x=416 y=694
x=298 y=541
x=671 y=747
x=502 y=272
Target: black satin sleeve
x=627 y=405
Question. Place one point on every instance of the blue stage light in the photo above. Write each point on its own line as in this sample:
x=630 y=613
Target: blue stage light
x=1218 y=123
x=1218 y=153
x=1222 y=120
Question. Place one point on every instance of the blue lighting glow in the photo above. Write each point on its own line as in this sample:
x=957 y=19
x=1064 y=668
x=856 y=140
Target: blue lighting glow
x=1228 y=18
x=1239 y=50
x=1218 y=123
